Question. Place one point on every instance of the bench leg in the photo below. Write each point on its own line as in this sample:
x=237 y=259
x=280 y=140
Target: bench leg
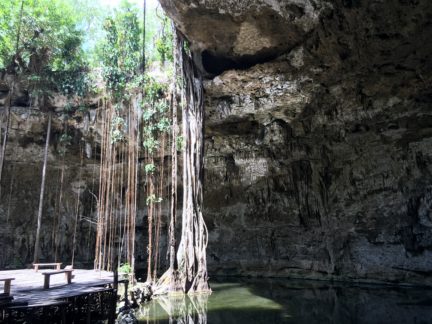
x=68 y=277
x=58 y=267
x=46 y=281
x=7 y=287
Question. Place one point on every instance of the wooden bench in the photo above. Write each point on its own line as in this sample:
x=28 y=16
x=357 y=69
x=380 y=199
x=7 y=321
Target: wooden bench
x=7 y=284
x=36 y=266
x=48 y=274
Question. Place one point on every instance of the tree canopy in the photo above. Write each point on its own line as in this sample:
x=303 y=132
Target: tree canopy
x=56 y=43
x=47 y=43
x=41 y=39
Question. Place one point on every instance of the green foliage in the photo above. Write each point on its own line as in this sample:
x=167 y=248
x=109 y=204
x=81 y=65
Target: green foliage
x=155 y=110
x=9 y=19
x=83 y=108
x=65 y=141
x=125 y=268
x=148 y=114
x=150 y=168
x=164 y=43
x=49 y=48
x=161 y=106
x=153 y=90
x=91 y=15
x=154 y=20
x=151 y=199
x=120 y=53
x=118 y=126
x=164 y=124
x=61 y=39
x=155 y=122
x=180 y=143
x=68 y=108
x=150 y=143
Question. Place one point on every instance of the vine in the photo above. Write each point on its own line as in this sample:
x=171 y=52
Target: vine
x=120 y=57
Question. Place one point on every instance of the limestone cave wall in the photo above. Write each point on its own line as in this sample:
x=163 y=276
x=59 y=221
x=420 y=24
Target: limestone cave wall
x=318 y=144
x=318 y=136
x=69 y=210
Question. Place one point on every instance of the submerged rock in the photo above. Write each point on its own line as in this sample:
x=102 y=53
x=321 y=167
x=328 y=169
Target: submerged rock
x=141 y=293
x=126 y=316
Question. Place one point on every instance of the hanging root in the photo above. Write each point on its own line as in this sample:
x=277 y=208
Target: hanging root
x=191 y=255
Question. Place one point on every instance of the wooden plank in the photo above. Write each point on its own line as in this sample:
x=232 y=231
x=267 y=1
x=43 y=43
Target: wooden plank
x=48 y=274
x=28 y=285
x=52 y=272
x=56 y=264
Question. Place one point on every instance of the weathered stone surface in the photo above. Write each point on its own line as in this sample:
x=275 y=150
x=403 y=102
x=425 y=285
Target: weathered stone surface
x=21 y=187
x=318 y=163
x=240 y=33
x=66 y=205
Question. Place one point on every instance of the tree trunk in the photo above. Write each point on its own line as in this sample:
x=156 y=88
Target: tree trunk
x=39 y=219
x=191 y=255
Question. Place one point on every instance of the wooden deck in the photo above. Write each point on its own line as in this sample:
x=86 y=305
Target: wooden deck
x=28 y=285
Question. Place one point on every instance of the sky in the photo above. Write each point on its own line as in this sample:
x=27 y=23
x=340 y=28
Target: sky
x=152 y=25
x=115 y=3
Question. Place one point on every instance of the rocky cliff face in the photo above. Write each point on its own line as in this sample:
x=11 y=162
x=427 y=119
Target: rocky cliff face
x=318 y=136
x=318 y=144
x=72 y=181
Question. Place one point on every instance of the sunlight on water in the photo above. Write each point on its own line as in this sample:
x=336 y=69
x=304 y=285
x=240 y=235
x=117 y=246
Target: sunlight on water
x=236 y=296
x=225 y=297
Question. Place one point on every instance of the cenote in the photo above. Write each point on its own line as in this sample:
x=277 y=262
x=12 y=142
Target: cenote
x=269 y=301
x=180 y=148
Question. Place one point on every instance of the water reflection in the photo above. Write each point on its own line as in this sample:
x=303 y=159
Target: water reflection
x=175 y=309
x=287 y=301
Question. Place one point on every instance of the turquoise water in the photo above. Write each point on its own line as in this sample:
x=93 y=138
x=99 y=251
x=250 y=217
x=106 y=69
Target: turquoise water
x=287 y=301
